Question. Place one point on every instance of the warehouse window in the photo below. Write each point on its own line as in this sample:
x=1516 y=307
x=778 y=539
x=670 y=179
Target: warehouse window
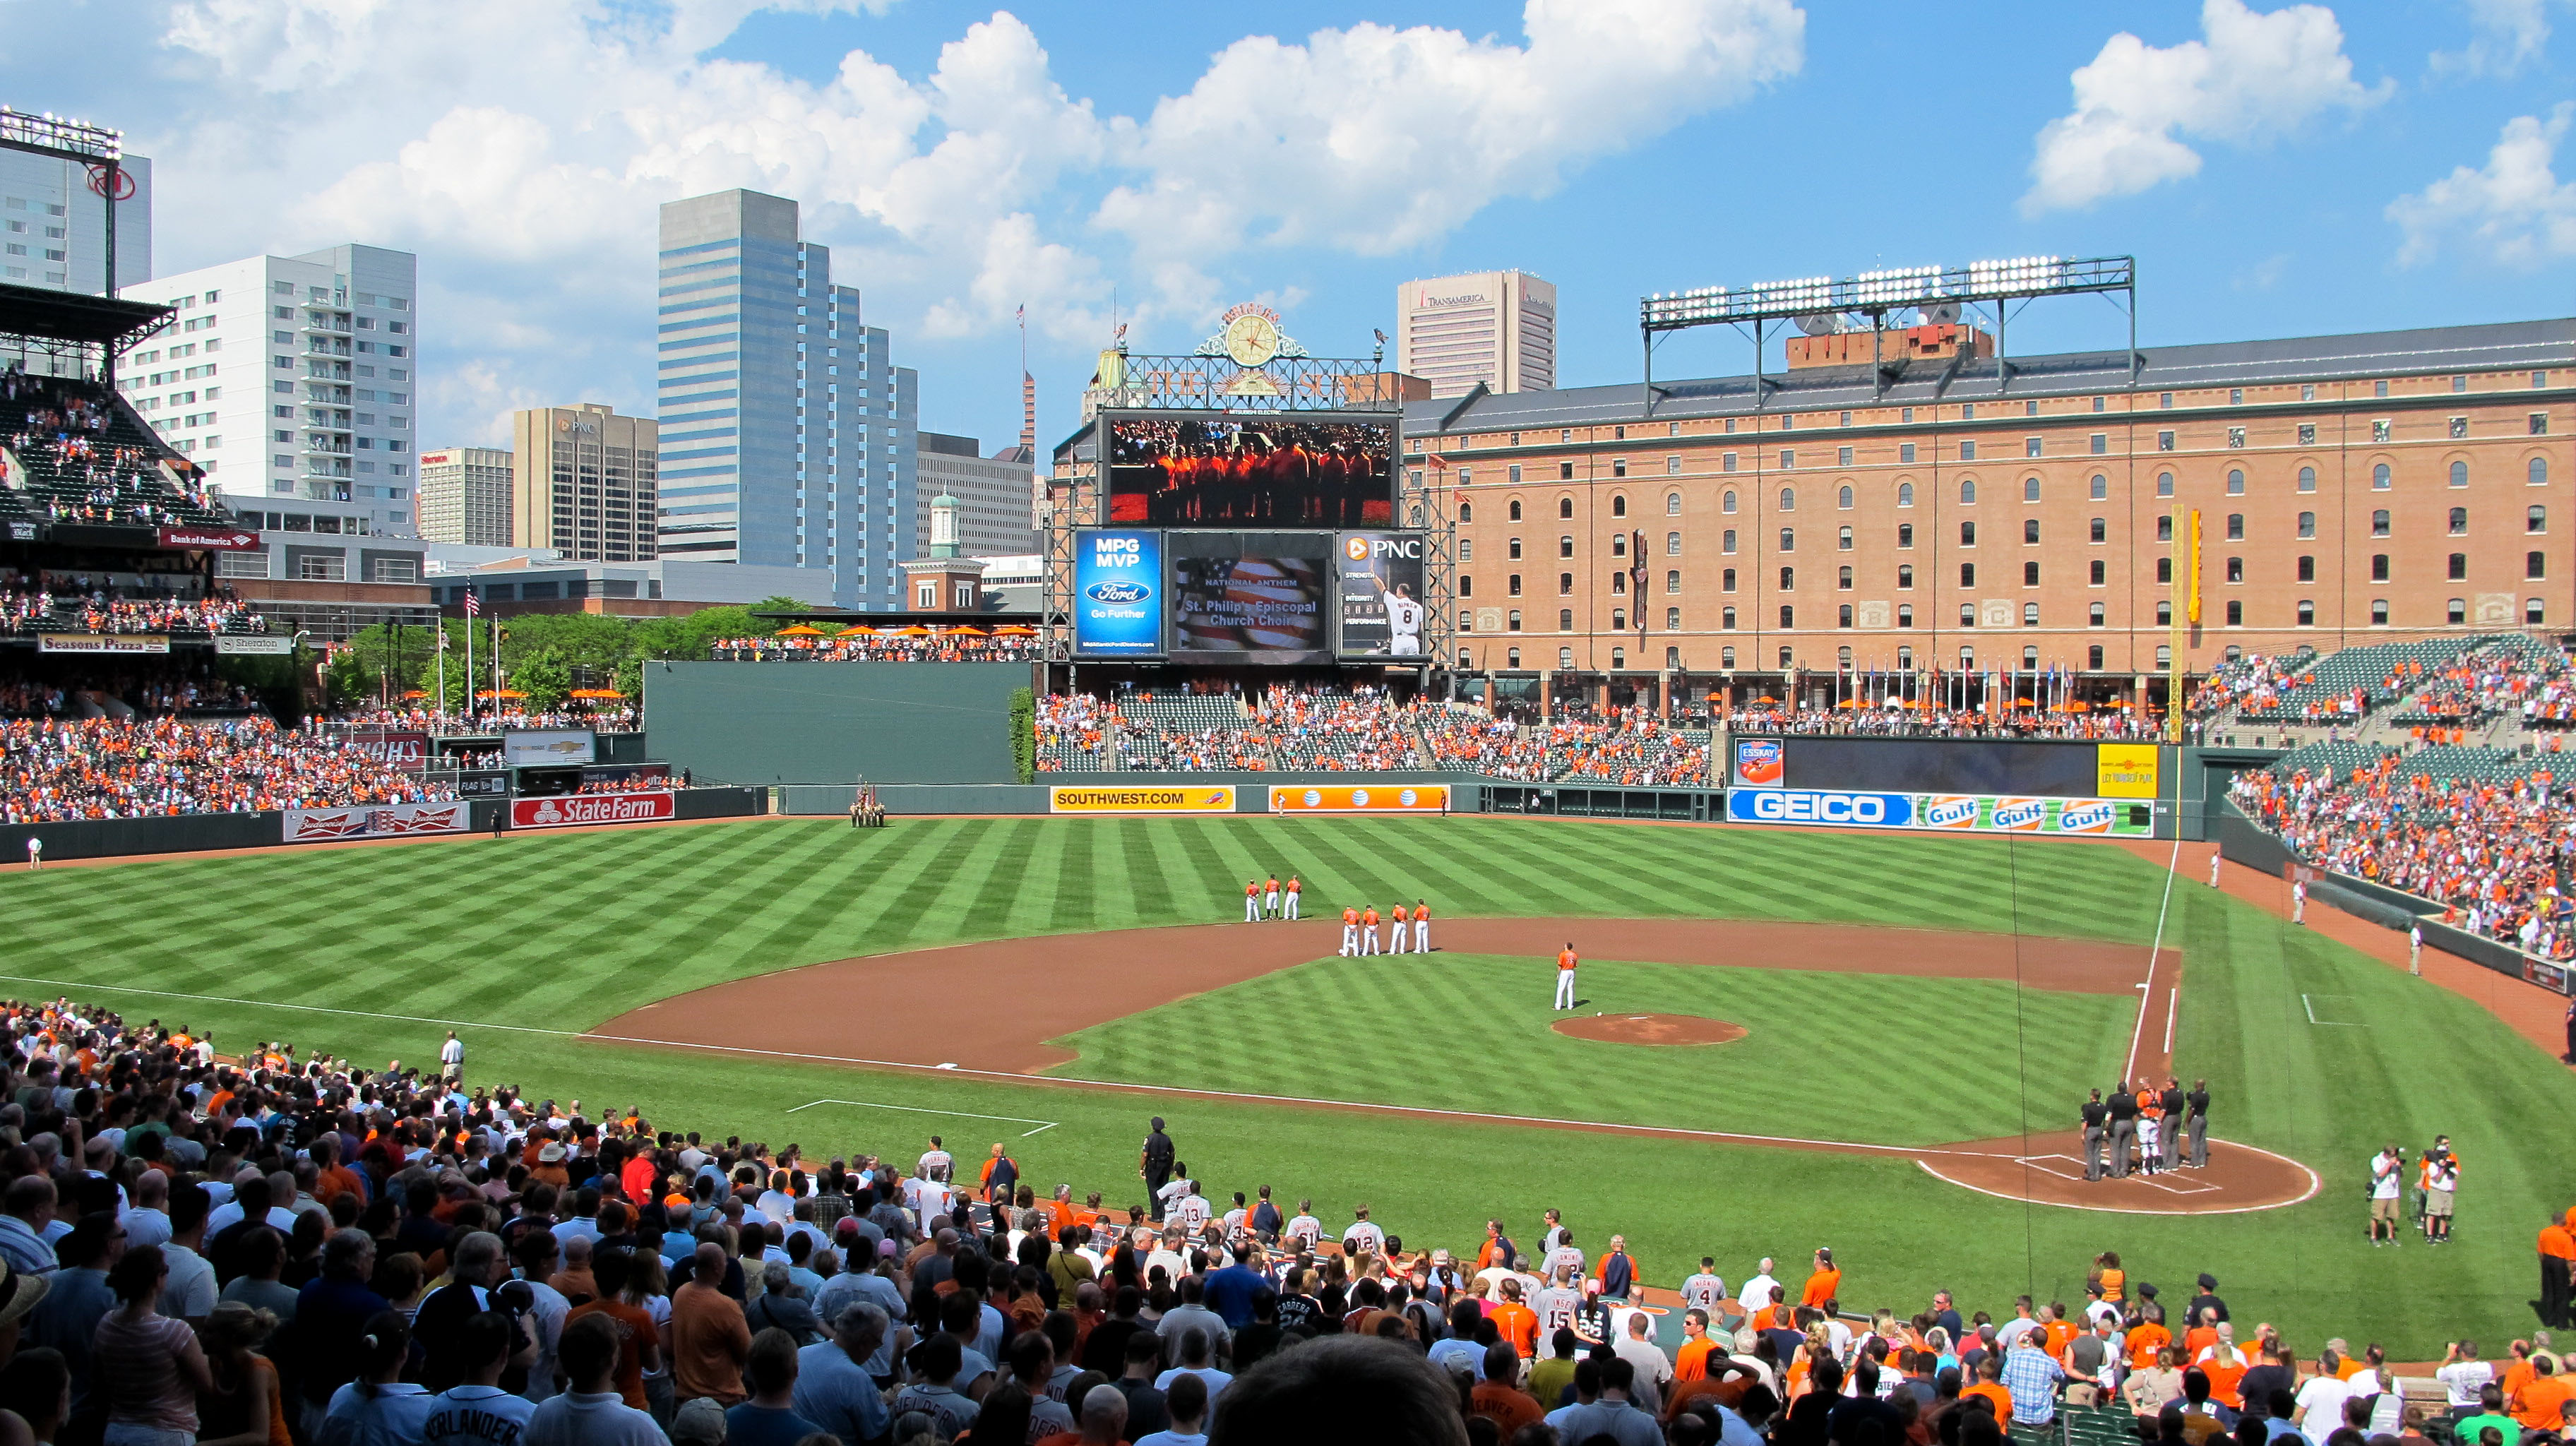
x=2235 y=614
x=2100 y=529
x=1967 y=615
x=2538 y=472
x=1672 y=504
x=1672 y=544
x=1673 y=581
x=2307 y=479
x=1788 y=616
x=1788 y=579
x=1516 y=510
x=2456 y=611
x=1565 y=584
x=2534 y=612
x=2459 y=474
x=2099 y=488
x=1905 y=534
x=1843 y=456
x=1726 y=656
x=2307 y=524
x=1843 y=616
x=1672 y=620
x=2093 y=657
x=1618 y=504
x=1843 y=579
x=1905 y=619
x=2458 y=570
x=2235 y=481
x=1905 y=493
x=2459 y=522
x=1565 y=506
x=2029 y=530
x=2099 y=567
x=2307 y=613
x=2379 y=612
x=1968 y=534
x=1565 y=657
x=2380 y=478
x=1565 y=547
x=2307 y=568
x=2235 y=569
x=2236 y=527
x=1726 y=619
x=1673 y=465
x=1905 y=578
x=1967 y=574
x=2164 y=615
x=2164 y=570
x=1968 y=492
x=2030 y=489
x=2096 y=615
x=2030 y=619
x=2535 y=565
x=1843 y=499
x=1726 y=501
x=1788 y=499
x=2379 y=523
x=1842 y=539
x=1788 y=539
x=1565 y=620
x=2379 y=567
x=1726 y=541
x=2535 y=519
x=2030 y=574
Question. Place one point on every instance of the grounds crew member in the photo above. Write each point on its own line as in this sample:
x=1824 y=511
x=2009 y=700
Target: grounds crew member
x=2124 y=1129
x=2096 y=1115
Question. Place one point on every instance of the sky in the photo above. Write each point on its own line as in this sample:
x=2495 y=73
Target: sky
x=2277 y=170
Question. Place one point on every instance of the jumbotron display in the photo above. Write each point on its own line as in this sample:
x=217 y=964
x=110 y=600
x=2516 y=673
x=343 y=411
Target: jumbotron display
x=1253 y=472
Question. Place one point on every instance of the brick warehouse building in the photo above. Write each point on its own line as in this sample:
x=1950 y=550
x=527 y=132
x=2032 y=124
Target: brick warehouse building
x=2350 y=488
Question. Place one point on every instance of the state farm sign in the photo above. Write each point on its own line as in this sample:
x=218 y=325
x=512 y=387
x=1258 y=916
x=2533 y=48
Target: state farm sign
x=588 y=808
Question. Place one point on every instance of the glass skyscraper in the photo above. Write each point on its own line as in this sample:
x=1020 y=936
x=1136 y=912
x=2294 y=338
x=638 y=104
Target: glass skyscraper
x=787 y=434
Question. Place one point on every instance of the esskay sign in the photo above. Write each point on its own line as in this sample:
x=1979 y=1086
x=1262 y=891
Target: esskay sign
x=1063 y=798
x=575 y=809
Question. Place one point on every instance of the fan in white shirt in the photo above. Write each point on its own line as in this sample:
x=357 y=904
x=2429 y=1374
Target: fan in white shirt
x=1363 y=1237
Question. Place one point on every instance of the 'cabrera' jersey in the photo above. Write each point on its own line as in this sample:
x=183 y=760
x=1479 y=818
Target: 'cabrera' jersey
x=1703 y=1292
x=1556 y=1307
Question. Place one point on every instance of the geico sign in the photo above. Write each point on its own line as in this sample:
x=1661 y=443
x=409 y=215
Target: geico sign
x=1784 y=805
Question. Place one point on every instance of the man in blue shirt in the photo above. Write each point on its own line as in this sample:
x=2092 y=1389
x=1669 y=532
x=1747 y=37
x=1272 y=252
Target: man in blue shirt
x=769 y=1418
x=833 y=1388
x=1229 y=1291
x=2032 y=1376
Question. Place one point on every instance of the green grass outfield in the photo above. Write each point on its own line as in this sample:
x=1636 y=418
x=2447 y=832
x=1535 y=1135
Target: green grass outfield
x=557 y=932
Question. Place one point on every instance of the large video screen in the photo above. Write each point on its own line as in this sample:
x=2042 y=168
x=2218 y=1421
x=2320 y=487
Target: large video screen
x=1118 y=594
x=1378 y=588
x=1928 y=765
x=1240 y=604
x=1253 y=472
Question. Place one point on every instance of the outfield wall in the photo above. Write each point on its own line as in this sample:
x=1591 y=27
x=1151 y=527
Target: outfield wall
x=211 y=832
x=764 y=724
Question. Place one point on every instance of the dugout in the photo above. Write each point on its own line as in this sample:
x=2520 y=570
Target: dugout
x=764 y=724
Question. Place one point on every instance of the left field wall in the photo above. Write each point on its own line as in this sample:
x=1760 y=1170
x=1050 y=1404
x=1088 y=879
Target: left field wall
x=758 y=724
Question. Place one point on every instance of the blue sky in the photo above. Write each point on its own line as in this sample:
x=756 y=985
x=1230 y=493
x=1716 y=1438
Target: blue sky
x=2277 y=170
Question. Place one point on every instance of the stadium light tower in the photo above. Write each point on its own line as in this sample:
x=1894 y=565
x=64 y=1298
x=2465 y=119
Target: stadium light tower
x=98 y=150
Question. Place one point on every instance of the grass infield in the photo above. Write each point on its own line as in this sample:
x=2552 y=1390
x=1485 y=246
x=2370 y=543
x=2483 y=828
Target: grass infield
x=556 y=933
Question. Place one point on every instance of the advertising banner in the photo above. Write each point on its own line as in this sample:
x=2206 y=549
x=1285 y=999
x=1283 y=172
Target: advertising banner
x=102 y=643
x=1945 y=812
x=226 y=539
x=492 y=784
x=1758 y=763
x=389 y=820
x=2125 y=770
x=574 y=809
x=1378 y=581
x=1064 y=798
x=548 y=747
x=255 y=644
x=402 y=749
x=1117 y=594
x=1374 y=798
x=1249 y=608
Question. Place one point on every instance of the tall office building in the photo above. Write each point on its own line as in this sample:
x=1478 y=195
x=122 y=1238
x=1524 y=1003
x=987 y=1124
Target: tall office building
x=465 y=496
x=993 y=513
x=290 y=376
x=788 y=432
x=585 y=482
x=53 y=227
x=1495 y=327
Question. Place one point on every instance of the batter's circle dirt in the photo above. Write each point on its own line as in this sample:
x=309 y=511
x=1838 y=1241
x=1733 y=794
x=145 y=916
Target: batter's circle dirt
x=1649 y=1029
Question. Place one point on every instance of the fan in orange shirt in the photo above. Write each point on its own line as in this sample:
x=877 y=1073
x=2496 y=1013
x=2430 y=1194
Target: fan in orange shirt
x=1825 y=1284
x=1990 y=1374
x=2146 y=1338
x=1516 y=1322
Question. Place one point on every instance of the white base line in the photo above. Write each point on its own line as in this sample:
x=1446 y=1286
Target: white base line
x=1042 y=1125
x=1055 y=1081
x=2327 y=1023
x=2155 y=947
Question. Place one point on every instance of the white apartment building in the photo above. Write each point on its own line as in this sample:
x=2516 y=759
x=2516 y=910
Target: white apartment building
x=464 y=496
x=291 y=376
x=1495 y=327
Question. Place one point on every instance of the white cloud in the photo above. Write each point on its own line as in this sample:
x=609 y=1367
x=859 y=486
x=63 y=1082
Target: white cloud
x=521 y=147
x=1373 y=139
x=2251 y=76
x=2505 y=35
x=2513 y=210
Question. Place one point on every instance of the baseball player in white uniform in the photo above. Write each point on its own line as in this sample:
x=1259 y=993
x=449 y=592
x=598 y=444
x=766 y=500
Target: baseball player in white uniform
x=1295 y=887
x=1421 y=927
x=1350 y=933
x=1403 y=621
x=1368 y=931
x=1395 y=930
x=1252 y=901
x=1270 y=899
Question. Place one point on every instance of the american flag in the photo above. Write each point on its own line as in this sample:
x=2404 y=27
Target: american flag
x=473 y=604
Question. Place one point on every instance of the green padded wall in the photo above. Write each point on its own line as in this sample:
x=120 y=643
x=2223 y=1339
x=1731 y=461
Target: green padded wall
x=767 y=723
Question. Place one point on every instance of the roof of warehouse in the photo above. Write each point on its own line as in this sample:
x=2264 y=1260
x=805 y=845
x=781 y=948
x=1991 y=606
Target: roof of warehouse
x=2360 y=355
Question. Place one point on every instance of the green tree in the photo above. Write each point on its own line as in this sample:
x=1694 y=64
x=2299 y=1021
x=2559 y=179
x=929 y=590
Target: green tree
x=544 y=676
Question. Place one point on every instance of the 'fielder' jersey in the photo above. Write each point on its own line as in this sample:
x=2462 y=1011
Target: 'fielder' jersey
x=1556 y=1307
x=1703 y=1292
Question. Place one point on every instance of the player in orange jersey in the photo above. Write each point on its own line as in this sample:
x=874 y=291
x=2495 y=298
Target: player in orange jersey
x=1252 y=901
x=1565 y=962
x=1395 y=933
x=1350 y=932
x=1368 y=930
x=1288 y=905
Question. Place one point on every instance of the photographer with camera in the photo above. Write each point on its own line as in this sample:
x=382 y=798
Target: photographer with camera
x=2387 y=1184
x=2441 y=1183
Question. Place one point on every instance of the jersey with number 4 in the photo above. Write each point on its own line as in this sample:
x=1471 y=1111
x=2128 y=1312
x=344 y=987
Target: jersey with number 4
x=1703 y=1292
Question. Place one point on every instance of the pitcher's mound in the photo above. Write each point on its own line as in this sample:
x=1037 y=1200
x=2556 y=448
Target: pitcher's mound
x=1649 y=1029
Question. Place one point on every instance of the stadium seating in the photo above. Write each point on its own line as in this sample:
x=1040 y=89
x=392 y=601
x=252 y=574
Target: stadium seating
x=72 y=450
x=117 y=768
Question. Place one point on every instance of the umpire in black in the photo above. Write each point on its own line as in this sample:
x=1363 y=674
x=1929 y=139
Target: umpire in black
x=2096 y=1115
x=2124 y=1129
x=1154 y=1162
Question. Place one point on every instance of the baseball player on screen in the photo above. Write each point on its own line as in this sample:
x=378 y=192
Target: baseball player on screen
x=1403 y=619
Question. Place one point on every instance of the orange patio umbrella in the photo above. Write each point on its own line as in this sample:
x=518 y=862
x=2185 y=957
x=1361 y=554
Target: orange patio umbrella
x=800 y=630
x=415 y=693
x=966 y=632
x=1014 y=630
x=597 y=693
x=915 y=631
x=856 y=630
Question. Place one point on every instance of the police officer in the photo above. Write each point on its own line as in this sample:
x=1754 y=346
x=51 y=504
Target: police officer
x=2196 y=1123
x=2124 y=1129
x=2096 y=1114
x=2172 y=1100
x=1154 y=1162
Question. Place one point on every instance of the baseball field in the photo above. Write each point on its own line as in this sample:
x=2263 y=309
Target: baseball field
x=1915 y=1020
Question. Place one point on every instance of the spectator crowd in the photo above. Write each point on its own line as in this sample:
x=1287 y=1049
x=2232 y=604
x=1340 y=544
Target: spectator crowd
x=104 y=768
x=270 y=1251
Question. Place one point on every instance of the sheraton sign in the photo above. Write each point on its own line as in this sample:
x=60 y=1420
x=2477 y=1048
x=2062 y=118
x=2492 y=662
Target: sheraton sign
x=572 y=810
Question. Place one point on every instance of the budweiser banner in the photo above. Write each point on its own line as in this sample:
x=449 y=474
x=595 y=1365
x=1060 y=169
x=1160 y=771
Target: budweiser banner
x=587 y=808
x=388 y=820
x=102 y=643
x=228 y=539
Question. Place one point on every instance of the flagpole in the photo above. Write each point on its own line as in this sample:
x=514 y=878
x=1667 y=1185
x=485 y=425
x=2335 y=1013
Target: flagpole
x=470 y=610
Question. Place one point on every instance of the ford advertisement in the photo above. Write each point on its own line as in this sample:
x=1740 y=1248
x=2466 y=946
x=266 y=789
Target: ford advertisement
x=1117 y=594
x=1944 y=812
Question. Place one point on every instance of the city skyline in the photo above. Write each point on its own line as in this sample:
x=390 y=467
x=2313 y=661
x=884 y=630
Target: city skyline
x=963 y=170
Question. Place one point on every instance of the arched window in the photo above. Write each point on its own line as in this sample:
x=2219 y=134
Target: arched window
x=2459 y=522
x=2095 y=615
x=1512 y=658
x=2164 y=484
x=2307 y=479
x=1565 y=584
x=1565 y=658
x=2099 y=488
x=1618 y=544
x=2380 y=478
x=1516 y=509
x=1843 y=539
x=1968 y=533
x=2539 y=471
x=1905 y=492
x=1967 y=574
x=1565 y=506
x=1565 y=620
x=1788 y=539
x=1673 y=581
x=2030 y=529
x=2030 y=619
x=1726 y=501
x=2534 y=612
x=1788 y=499
x=1843 y=499
x=1565 y=546
x=1726 y=621
x=1619 y=584
x=2307 y=524
x=1726 y=656
x=1968 y=492
x=1843 y=619
x=2030 y=489
x=1618 y=504
x=1672 y=504
x=1788 y=579
x=2456 y=611
x=2307 y=613
x=1843 y=580
x=2235 y=481
x=1466 y=511
x=1905 y=619
x=1905 y=578
x=2459 y=474
x=1672 y=620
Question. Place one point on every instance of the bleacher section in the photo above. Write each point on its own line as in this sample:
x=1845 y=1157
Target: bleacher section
x=73 y=451
x=2342 y=759
x=2381 y=672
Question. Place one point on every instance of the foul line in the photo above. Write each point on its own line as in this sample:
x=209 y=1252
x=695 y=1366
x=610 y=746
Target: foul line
x=2155 y=947
x=2311 y=1006
x=1058 y=1081
x=1044 y=1125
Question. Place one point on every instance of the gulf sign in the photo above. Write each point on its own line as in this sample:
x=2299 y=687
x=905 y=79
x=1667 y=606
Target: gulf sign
x=1797 y=805
x=1759 y=763
x=1068 y=798
x=578 y=809
x=1371 y=798
x=1118 y=594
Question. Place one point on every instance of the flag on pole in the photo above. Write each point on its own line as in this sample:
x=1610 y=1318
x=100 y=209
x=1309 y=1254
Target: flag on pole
x=473 y=604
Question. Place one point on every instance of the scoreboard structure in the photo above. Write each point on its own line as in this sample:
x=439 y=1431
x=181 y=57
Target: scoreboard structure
x=1243 y=507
